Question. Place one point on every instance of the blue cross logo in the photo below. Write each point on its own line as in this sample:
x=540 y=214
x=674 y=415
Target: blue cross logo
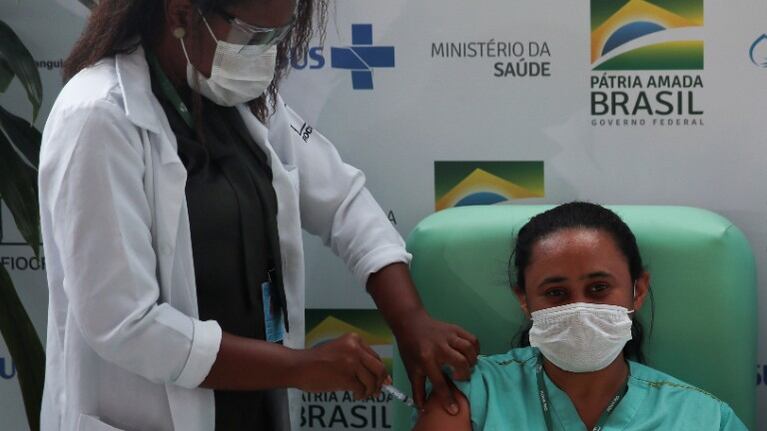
x=362 y=57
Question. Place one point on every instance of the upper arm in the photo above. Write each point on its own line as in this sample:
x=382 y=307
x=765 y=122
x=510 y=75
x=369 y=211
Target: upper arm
x=729 y=420
x=336 y=206
x=435 y=418
x=101 y=225
x=328 y=185
x=101 y=217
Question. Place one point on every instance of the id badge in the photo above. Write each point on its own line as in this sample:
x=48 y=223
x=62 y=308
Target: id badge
x=274 y=323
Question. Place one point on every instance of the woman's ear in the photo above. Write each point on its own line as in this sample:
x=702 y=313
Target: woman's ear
x=177 y=13
x=641 y=289
x=522 y=298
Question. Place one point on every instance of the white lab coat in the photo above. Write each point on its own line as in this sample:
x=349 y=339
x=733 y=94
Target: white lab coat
x=125 y=349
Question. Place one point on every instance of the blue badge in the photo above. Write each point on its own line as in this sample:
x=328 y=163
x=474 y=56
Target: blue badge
x=274 y=323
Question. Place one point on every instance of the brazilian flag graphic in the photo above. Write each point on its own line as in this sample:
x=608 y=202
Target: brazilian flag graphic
x=647 y=34
x=462 y=183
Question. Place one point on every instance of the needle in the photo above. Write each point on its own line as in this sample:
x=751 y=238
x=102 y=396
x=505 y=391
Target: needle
x=397 y=394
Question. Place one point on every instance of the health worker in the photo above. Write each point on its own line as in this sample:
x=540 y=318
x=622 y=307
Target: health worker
x=174 y=188
x=580 y=366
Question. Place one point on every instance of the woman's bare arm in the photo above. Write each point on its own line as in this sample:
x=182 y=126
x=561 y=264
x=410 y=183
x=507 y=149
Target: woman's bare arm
x=435 y=418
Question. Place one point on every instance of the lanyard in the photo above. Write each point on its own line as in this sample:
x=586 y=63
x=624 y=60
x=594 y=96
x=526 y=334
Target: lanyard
x=168 y=90
x=543 y=395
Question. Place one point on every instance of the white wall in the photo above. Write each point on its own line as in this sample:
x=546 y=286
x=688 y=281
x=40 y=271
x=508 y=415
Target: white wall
x=429 y=108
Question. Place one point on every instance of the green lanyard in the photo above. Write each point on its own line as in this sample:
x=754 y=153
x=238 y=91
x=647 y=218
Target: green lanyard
x=168 y=90
x=543 y=395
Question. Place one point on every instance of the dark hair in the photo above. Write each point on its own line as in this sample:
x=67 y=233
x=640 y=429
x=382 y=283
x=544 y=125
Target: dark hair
x=121 y=26
x=580 y=215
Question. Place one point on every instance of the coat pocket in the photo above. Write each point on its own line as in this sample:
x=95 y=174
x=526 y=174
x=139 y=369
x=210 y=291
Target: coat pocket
x=91 y=423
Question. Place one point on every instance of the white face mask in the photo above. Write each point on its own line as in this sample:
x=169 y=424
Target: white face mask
x=581 y=337
x=239 y=73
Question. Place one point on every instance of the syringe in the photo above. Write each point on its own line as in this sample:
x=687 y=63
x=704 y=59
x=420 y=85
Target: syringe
x=397 y=394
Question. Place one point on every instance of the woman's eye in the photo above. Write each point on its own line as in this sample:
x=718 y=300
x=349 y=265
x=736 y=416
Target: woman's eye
x=555 y=293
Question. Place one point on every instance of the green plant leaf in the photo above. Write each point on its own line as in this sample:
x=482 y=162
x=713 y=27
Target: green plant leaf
x=6 y=76
x=20 y=61
x=23 y=136
x=18 y=186
x=25 y=348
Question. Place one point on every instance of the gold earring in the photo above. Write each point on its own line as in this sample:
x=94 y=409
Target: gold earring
x=179 y=32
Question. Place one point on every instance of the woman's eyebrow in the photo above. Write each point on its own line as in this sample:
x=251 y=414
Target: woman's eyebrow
x=597 y=274
x=552 y=280
x=559 y=279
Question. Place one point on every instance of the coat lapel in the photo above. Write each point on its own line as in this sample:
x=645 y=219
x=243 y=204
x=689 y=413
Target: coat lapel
x=169 y=179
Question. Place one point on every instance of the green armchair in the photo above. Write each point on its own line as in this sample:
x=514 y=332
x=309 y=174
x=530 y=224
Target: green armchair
x=703 y=280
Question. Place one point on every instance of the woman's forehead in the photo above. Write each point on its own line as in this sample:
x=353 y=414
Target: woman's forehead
x=573 y=238
x=577 y=246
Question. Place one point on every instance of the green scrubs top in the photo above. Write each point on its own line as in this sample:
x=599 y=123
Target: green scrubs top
x=502 y=393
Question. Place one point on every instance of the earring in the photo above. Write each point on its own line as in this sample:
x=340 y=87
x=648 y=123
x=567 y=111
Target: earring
x=179 y=32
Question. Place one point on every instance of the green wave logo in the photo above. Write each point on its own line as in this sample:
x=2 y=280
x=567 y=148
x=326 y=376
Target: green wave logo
x=647 y=35
x=486 y=183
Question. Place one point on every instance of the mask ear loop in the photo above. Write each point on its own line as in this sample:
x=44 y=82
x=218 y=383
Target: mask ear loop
x=634 y=296
x=183 y=48
x=196 y=82
x=205 y=21
x=181 y=36
x=219 y=44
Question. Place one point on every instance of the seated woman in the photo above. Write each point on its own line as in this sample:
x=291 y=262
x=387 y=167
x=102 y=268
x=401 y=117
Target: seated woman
x=580 y=278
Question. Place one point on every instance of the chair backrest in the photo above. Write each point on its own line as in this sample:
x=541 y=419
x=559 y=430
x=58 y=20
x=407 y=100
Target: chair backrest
x=703 y=280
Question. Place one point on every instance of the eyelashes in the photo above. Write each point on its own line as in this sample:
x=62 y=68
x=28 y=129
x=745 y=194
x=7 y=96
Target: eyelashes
x=599 y=288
